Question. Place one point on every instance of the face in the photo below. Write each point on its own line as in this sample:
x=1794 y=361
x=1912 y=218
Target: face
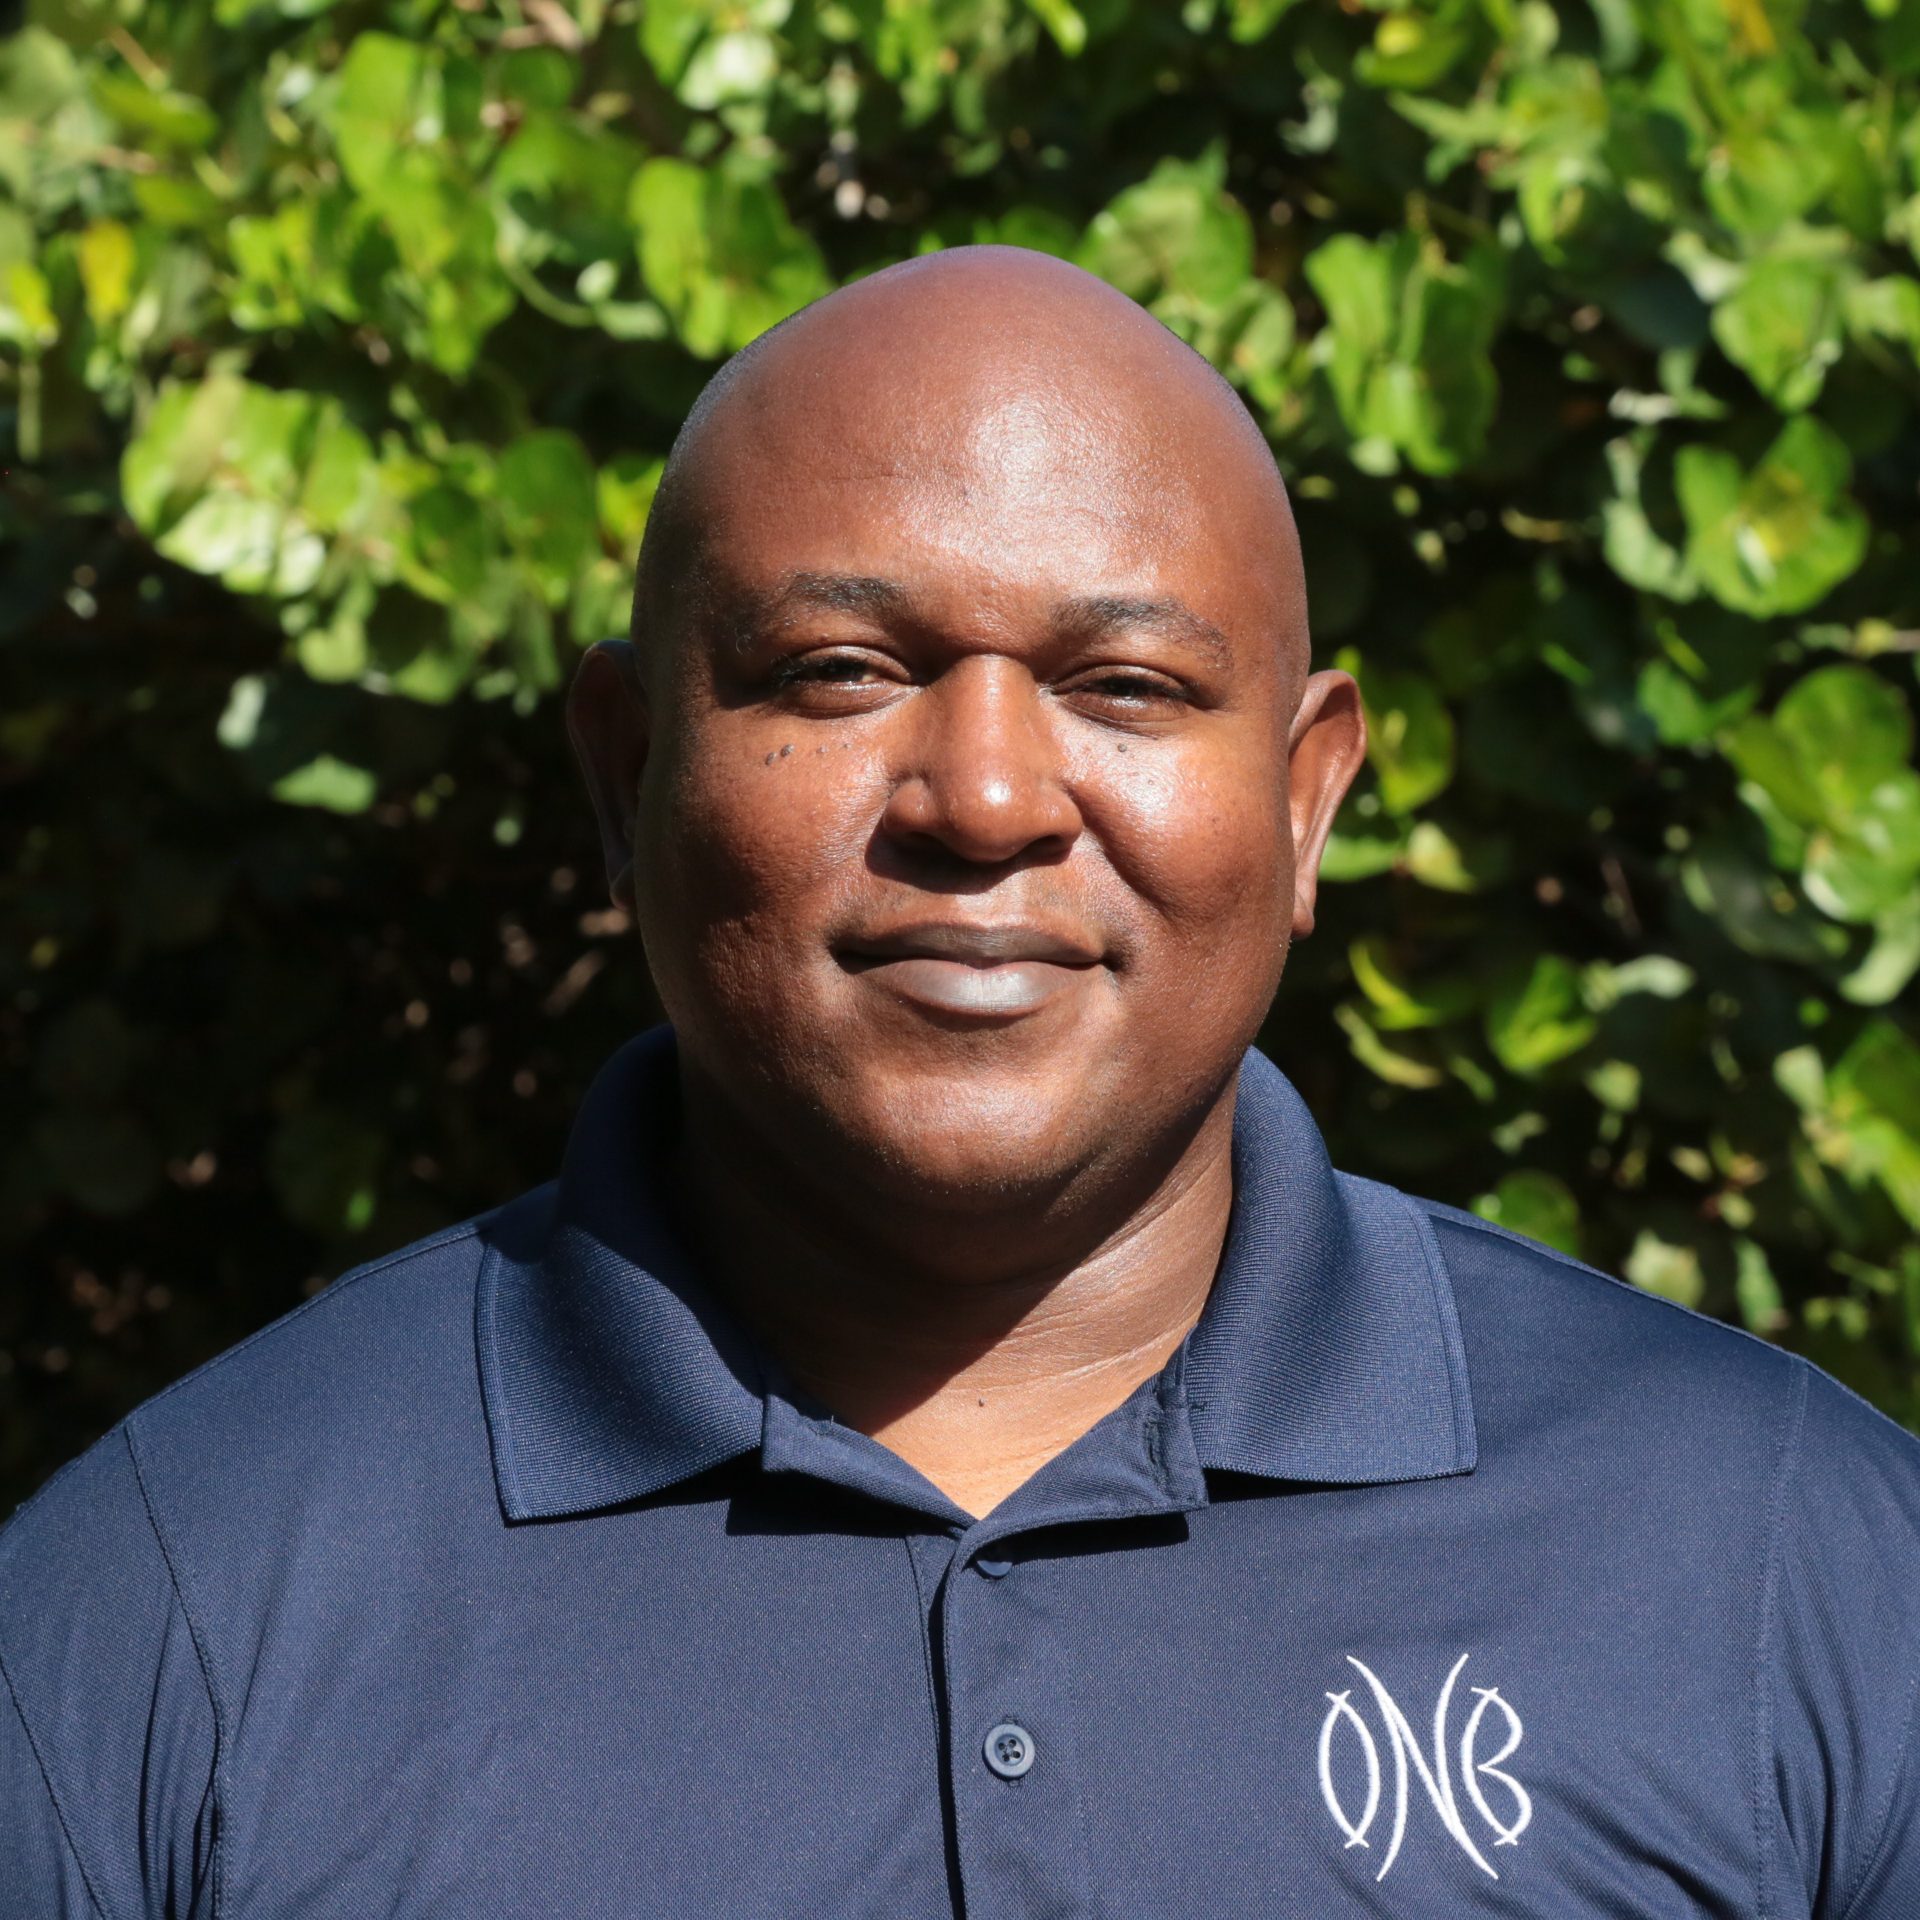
x=976 y=803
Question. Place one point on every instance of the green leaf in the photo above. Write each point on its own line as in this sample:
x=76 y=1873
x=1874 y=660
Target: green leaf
x=1436 y=859
x=1762 y=1305
x=1780 y=537
x=1416 y=49
x=1753 y=907
x=1848 y=729
x=730 y=67
x=389 y=100
x=1886 y=309
x=1604 y=983
x=1537 y=1204
x=548 y=506
x=1536 y=1015
x=158 y=114
x=1634 y=549
x=1358 y=849
x=720 y=254
x=1871 y=1126
x=26 y=306
x=1834 y=758
x=248 y=543
x=1064 y=21
x=325 y=781
x=1782 y=326
x=1398 y=1065
x=1398 y=1003
x=1406 y=346
x=623 y=492
x=1410 y=737
x=1178 y=236
x=447 y=544
x=1889 y=965
x=1251 y=20
x=1659 y=1266
x=106 y=254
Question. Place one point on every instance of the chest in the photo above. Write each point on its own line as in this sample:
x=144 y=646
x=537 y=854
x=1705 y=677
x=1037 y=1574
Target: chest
x=1320 y=1704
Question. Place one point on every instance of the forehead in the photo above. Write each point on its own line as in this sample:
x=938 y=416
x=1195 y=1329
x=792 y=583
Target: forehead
x=1003 y=476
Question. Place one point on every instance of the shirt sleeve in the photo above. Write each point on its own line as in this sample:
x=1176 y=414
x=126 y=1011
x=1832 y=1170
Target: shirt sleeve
x=1842 y=1690
x=107 y=1727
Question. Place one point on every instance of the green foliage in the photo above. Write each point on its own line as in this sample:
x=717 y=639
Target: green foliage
x=339 y=352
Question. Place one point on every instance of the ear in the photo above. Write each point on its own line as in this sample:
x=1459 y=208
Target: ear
x=1326 y=750
x=609 y=720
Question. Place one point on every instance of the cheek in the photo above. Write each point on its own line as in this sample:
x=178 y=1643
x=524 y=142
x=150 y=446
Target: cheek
x=1198 y=835
x=755 y=832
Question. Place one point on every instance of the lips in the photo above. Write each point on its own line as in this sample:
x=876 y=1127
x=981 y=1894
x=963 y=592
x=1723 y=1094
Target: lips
x=993 y=972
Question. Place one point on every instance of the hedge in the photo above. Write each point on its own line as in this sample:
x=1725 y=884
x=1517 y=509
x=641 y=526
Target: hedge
x=340 y=345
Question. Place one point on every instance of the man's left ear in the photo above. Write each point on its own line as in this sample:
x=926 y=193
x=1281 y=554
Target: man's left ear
x=610 y=723
x=1325 y=751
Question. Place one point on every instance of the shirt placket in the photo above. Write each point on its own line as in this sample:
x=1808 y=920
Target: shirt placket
x=1014 y=1780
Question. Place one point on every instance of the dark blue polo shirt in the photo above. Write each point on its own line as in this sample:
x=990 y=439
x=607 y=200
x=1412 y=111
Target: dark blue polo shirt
x=1437 y=1574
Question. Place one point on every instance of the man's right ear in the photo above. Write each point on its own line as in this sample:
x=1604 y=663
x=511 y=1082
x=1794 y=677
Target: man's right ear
x=610 y=724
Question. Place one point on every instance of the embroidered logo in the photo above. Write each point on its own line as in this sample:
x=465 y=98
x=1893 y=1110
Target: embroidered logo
x=1435 y=1773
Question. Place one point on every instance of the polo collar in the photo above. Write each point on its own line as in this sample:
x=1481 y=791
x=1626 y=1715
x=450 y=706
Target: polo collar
x=607 y=1369
x=1328 y=1350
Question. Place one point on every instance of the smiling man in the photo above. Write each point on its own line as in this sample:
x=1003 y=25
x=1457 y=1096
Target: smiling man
x=947 y=1441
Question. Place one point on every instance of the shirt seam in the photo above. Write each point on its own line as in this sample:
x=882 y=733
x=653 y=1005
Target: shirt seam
x=923 y=1599
x=1466 y=1437
x=1766 y=1825
x=1883 y=1830
x=498 y=1418
x=46 y=1781
x=216 y=1876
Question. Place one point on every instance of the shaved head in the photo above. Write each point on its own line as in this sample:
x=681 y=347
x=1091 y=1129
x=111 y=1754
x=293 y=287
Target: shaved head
x=990 y=354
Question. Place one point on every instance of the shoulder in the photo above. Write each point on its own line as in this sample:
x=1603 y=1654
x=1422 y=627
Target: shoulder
x=1522 y=1295
x=377 y=1370
x=1552 y=1339
x=338 y=1393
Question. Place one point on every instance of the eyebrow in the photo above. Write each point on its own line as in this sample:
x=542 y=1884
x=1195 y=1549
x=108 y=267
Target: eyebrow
x=803 y=593
x=1100 y=614
x=1086 y=616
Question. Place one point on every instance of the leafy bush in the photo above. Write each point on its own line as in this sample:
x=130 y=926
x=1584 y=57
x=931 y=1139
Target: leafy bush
x=339 y=348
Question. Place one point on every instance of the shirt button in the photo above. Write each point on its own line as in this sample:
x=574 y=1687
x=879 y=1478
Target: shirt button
x=994 y=1569
x=1009 y=1750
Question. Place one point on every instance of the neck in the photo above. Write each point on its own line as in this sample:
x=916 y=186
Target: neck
x=976 y=1349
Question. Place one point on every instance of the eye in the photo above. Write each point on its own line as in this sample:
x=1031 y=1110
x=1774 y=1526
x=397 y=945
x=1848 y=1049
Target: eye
x=835 y=680
x=1127 y=690
x=826 y=669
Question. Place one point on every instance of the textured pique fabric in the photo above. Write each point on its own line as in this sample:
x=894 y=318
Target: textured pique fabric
x=1437 y=1574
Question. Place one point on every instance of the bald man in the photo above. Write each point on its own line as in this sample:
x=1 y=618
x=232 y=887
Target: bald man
x=947 y=1441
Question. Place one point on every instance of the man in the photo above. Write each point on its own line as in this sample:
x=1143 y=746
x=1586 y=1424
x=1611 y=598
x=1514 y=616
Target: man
x=948 y=1441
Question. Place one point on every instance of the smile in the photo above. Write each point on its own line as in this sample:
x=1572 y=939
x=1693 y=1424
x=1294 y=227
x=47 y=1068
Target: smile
x=986 y=972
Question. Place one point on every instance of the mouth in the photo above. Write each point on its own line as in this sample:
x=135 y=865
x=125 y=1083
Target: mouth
x=982 y=972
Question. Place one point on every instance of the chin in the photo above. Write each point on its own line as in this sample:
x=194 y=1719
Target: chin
x=975 y=1159
x=971 y=1139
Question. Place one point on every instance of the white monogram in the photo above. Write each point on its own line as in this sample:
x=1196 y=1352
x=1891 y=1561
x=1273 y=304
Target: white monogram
x=1435 y=1775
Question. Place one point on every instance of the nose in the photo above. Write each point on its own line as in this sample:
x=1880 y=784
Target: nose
x=984 y=780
